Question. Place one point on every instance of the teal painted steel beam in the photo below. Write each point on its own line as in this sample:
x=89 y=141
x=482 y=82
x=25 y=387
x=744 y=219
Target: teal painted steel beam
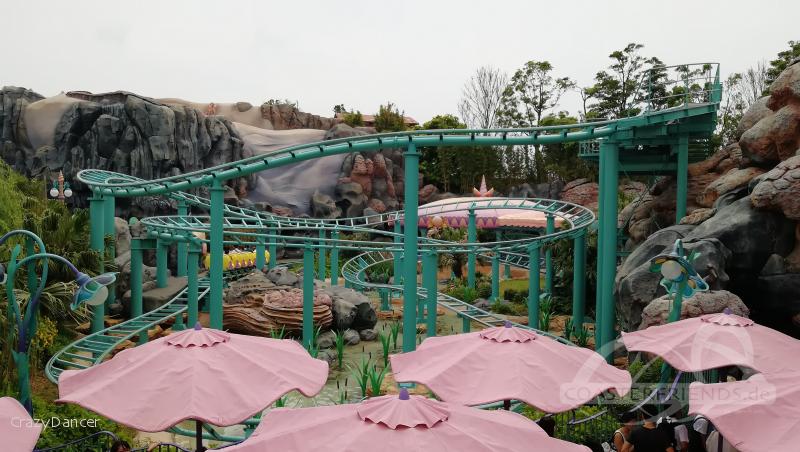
x=261 y=257
x=579 y=279
x=410 y=216
x=498 y=235
x=683 y=178
x=136 y=283
x=192 y=268
x=534 y=284
x=398 y=256
x=308 y=295
x=472 y=237
x=495 y=276
x=548 y=256
x=216 y=250
x=96 y=241
x=608 y=236
x=323 y=265
x=273 y=249
x=335 y=259
x=110 y=248
x=430 y=268
x=162 y=252
x=182 y=246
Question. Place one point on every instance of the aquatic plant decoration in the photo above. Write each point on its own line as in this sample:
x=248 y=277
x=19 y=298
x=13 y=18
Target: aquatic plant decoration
x=679 y=276
x=91 y=290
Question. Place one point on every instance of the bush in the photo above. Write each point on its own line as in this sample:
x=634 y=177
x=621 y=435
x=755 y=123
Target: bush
x=595 y=431
x=389 y=119
x=353 y=119
x=485 y=291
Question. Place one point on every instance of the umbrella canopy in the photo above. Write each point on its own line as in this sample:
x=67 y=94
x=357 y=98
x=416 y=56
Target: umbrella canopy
x=717 y=340
x=455 y=212
x=201 y=374
x=509 y=363
x=18 y=432
x=405 y=423
x=758 y=414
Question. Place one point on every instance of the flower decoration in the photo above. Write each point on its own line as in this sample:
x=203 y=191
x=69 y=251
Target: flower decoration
x=678 y=272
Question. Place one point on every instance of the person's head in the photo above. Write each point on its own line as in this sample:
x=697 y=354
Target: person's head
x=548 y=424
x=120 y=446
x=627 y=419
x=648 y=413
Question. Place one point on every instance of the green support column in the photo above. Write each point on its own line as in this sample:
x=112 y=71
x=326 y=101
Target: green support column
x=579 y=280
x=430 y=267
x=192 y=268
x=609 y=156
x=261 y=257
x=534 y=284
x=385 y=295
x=182 y=247
x=398 y=255
x=273 y=249
x=216 y=249
x=495 y=276
x=683 y=178
x=410 y=215
x=466 y=324
x=322 y=270
x=162 y=251
x=548 y=256
x=472 y=237
x=308 y=294
x=598 y=306
x=96 y=241
x=335 y=259
x=136 y=283
x=498 y=234
x=110 y=230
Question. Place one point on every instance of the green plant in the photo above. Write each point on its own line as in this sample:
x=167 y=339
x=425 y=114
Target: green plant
x=281 y=402
x=312 y=346
x=485 y=291
x=389 y=119
x=361 y=373
x=502 y=308
x=582 y=336
x=278 y=333
x=339 y=341
x=385 y=341
x=545 y=313
x=353 y=119
x=376 y=379
x=568 y=329
x=395 y=331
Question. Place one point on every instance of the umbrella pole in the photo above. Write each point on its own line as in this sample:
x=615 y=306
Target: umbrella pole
x=507 y=404
x=199 y=436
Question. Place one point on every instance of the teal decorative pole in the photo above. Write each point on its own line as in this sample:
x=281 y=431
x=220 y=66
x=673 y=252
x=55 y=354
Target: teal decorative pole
x=548 y=255
x=136 y=282
x=217 y=250
x=579 y=279
x=609 y=156
x=182 y=247
x=398 y=255
x=472 y=237
x=261 y=257
x=97 y=242
x=496 y=275
x=335 y=259
x=273 y=248
x=498 y=234
x=430 y=266
x=308 y=295
x=91 y=290
x=162 y=269
x=192 y=294
x=534 y=284
x=410 y=218
x=323 y=266
x=110 y=231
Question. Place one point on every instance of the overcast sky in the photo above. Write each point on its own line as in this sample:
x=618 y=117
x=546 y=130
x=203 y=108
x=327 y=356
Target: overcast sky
x=416 y=53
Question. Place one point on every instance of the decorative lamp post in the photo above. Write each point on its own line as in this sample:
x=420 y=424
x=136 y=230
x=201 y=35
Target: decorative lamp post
x=61 y=189
x=91 y=290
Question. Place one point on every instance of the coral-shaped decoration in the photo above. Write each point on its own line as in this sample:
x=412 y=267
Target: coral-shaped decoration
x=508 y=333
x=198 y=337
x=483 y=192
x=403 y=411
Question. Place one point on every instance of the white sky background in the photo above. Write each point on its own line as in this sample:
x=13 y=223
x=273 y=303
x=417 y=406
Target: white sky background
x=362 y=53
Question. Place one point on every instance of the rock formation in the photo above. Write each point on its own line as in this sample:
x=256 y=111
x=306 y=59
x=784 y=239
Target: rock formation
x=711 y=302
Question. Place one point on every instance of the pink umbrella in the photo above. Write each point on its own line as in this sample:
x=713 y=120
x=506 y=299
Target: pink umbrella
x=758 y=414
x=201 y=374
x=18 y=432
x=509 y=363
x=405 y=423
x=717 y=340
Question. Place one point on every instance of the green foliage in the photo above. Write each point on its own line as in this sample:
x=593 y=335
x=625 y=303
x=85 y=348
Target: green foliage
x=386 y=340
x=582 y=336
x=545 y=313
x=312 y=347
x=394 y=328
x=361 y=372
x=339 y=108
x=389 y=119
x=380 y=272
x=339 y=341
x=50 y=437
x=784 y=58
x=563 y=260
x=484 y=290
x=275 y=333
x=376 y=378
x=278 y=102
x=463 y=293
x=617 y=88
x=597 y=430
x=353 y=118
x=561 y=160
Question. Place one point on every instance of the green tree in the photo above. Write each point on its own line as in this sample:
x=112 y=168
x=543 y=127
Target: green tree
x=353 y=119
x=339 y=108
x=389 y=119
x=618 y=88
x=561 y=160
x=783 y=60
x=532 y=91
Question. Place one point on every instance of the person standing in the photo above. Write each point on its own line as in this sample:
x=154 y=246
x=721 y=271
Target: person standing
x=648 y=437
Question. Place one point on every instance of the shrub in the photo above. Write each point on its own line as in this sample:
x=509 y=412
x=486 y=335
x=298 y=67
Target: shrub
x=50 y=437
x=485 y=291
